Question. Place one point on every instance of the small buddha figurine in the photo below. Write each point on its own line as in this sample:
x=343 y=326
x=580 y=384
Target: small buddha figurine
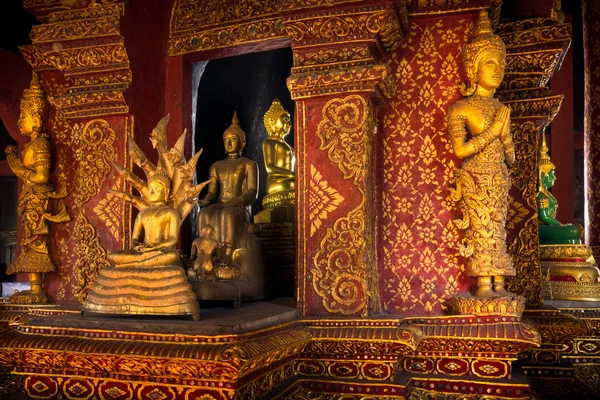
x=479 y=128
x=280 y=164
x=38 y=202
x=148 y=278
x=203 y=249
x=550 y=229
x=232 y=189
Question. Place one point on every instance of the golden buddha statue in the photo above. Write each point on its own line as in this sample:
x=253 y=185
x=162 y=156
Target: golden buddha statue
x=280 y=162
x=479 y=128
x=149 y=278
x=38 y=203
x=226 y=208
x=232 y=189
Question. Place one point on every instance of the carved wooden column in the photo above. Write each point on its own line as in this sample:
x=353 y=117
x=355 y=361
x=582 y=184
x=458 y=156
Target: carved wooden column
x=535 y=50
x=81 y=57
x=591 y=46
x=337 y=81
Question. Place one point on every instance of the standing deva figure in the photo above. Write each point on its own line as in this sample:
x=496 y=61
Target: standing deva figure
x=479 y=128
x=38 y=203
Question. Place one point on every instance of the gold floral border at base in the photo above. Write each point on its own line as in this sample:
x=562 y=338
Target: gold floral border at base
x=555 y=290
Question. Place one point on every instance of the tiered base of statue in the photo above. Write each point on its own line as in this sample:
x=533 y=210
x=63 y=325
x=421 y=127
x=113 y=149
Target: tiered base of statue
x=143 y=291
x=570 y=272
x=278 y=208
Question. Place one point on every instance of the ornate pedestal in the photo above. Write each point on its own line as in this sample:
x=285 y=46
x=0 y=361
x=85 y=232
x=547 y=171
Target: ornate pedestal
x=280 y=259
x=570 y=272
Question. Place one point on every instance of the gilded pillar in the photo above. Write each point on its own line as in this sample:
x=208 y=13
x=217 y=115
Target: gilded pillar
x=80 y=54
x=337 y=81
x=591 y=123
x=535 y=49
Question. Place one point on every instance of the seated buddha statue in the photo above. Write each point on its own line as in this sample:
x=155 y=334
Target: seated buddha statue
x=226 y=208
x=280 y=162
x=232 y=189
x=551 y=230
x=149 y=278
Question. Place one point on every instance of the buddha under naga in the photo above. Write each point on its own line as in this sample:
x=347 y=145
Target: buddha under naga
x=479 y=128
x=149 y=278
x=39 y=203
x=280 y=161
x=568 y=266
x=226 y=208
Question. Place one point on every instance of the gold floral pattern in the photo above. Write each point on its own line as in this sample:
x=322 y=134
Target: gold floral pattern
x=323 y=199
x=419 y=262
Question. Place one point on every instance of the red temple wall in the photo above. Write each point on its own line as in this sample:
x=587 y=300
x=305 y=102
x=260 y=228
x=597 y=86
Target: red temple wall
x=418 y=259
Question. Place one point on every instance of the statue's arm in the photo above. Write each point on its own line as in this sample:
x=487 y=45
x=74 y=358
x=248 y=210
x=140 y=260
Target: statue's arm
x=211 y=196
x=137 y=232
x=457 y=127
x=252 y=177
x=270 y=154
x=544 y=212
x=40 y=172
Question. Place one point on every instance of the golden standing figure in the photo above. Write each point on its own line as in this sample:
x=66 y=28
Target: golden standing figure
x=38 y=203
x=233 y=187
x=149 y=278
x=280 y=163
x=479 y=128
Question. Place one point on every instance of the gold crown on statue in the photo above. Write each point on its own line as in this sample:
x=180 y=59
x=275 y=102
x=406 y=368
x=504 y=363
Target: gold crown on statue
x=34 y=98
x=273 y=114
x=160 y=176
x=545 y=164
x=483 y=45
x=236 y=129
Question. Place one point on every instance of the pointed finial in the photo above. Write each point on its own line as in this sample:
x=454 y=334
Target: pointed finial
x=484 y=26
x=545 y=164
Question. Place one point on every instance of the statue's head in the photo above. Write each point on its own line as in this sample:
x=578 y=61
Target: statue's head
x=33 y=108
x=484 y=58
x=277 y=120
x=207 y=231
x=234 y=137
x=159 y=186
x=545 y=166
x=158 y=136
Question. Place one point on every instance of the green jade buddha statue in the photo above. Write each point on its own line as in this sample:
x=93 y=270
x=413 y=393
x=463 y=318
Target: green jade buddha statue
x=551 y=230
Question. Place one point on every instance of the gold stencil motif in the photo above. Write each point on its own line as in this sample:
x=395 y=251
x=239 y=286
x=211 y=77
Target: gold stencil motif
x=419 y=262
x=110 y=210
x=323 y=199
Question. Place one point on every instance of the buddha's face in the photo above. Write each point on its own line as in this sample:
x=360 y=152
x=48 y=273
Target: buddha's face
x=26 y=123
x=282 y=126
x=232 y=143
x=156 y=192
x=490 y=73
x=548 y=179
x=207 y=231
